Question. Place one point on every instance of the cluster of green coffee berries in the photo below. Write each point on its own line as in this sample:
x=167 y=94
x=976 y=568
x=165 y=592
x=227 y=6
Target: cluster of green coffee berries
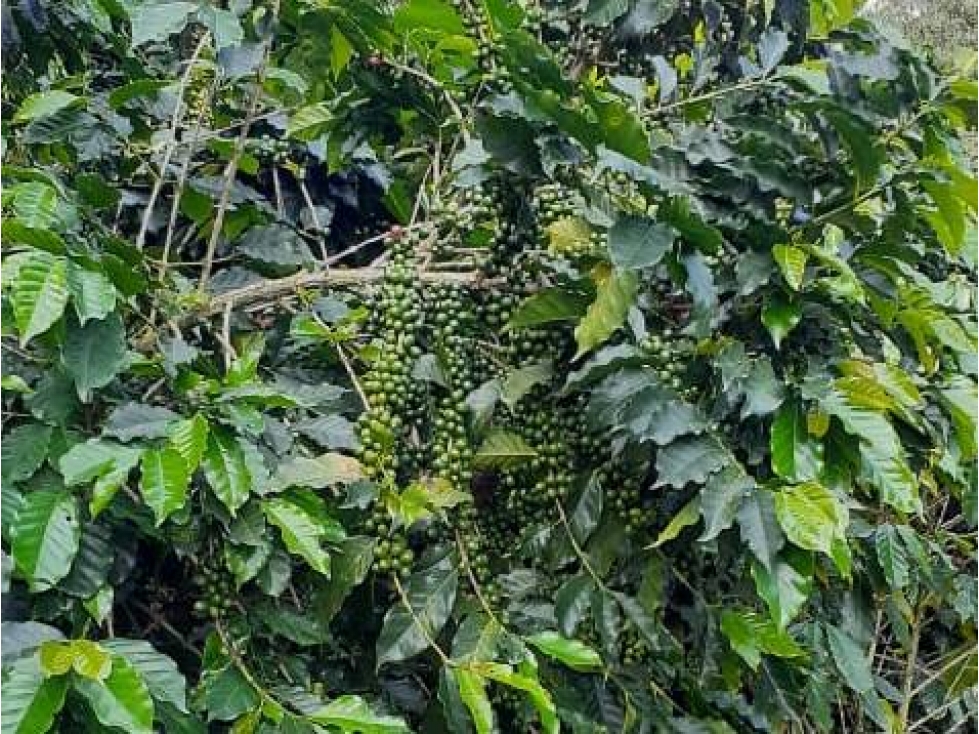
x=623 y=493
x=272 y=149
x=217 y=592
x=391 y=552
x=389 y=386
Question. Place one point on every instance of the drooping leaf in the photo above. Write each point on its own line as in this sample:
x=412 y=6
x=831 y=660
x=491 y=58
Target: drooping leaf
x=810 y=516
x=429 y=596
x=760 y=528
x=472 y=691
x=95 y=353
x=302 y=534
x=573 y=653
x=720 y=499
x=121 y=700
x=164 y=481
x=617 y=292
x=30 y=701
x=226 y=469
x=796 y=455
x=751 y=635
x=44 y=537
x=39 y=294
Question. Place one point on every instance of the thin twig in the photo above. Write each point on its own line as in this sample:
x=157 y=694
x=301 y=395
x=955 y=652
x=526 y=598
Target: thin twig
x=431 y=81
x=472 y=579
x=178 y=111
x=353 y=376
x=320 y=234
x=230 y=171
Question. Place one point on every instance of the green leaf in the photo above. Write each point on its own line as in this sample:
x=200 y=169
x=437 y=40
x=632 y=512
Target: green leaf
x=45 y=104
x=796 y=456
x=637 y=242
x=785 y=589
x=751 y=635
x=503 y=449
x=352 y=714
x=811 y=516
x=573 y=653
x=881 y=452
x=138 y=420
x=688 y=515
x=228 y=695
x=760 y=528
x=317 y=472
x=164 y=482
x=158 y=21
x=690 y=459
x=85 y=657
x=189 y=438
x=92 y=294
x=44 y=537
x=95 y=353
x=568 y=234
x=792 y=262
x=349 y=566
x=23 y=451
x=892 y=556
x=121 y=700
x=721 y=497
x=106 y=462
x=302 y=533
x=548 y=306
x=430 y=594
x=308 y=122
x=572 y=602
x=521 y=381
x=434 y=15
x=617 y=291
x=163 y=679
x=763 y=391
x=472 y=691
x=39 y=294
x=780 y=318
x=850 y=660
x=525 y=680
x=30 y=701
x=226 y=469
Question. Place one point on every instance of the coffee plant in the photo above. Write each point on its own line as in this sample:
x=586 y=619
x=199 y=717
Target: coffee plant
x=485 y=365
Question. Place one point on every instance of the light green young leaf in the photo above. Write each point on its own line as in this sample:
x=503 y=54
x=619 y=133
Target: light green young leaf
x=811 y=516
x=573 y=653
x=39 y=294
x=164 y=482
x=617 y=291
x=302 y=534
x=44 y=104
x=503 y=449
x=352 y=714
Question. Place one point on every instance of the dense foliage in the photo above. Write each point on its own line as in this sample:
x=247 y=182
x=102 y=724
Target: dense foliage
x=592 y=366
